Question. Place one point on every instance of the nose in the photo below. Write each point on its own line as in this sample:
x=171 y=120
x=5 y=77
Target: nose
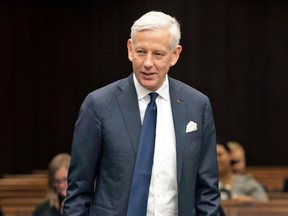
x=148 y=63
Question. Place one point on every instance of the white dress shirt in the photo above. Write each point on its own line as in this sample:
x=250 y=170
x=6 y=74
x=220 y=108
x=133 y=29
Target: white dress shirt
x=162 y=198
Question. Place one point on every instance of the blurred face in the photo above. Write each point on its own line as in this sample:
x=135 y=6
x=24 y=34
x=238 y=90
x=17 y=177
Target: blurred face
x=152 y=57
x=60 y=181
x=238 y=157
x=224 y=160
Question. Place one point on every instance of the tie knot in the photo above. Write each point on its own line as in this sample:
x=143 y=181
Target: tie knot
x=153 y=96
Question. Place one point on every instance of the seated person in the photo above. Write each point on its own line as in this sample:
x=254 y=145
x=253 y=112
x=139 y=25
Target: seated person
x=240 y=187
x=57 y=186
x=237 y=153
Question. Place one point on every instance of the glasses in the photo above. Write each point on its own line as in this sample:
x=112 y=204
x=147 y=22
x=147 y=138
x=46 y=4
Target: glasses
x=60 y=181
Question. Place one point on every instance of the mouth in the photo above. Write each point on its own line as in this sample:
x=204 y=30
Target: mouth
x=148 y=75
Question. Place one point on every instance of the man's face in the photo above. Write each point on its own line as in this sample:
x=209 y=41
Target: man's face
x=151 y=57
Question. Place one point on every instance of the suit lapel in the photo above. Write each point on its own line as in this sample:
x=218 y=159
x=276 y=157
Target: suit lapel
x=178 y=111
x=128 y=104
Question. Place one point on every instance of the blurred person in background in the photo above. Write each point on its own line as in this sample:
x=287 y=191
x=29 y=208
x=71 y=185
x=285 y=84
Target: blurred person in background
x=236 y=186
x=238 y=157
x=57 y=186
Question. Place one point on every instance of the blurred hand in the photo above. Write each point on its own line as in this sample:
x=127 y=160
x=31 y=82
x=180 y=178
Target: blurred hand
x=243 y=198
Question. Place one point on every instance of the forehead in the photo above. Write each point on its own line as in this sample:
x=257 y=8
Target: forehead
x=152 y=37
x=62 y=171
x=237 y=152
x=221 y=149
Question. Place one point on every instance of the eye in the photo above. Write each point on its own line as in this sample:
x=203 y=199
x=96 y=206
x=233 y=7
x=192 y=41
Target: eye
x=159 y=54
x=140 y=52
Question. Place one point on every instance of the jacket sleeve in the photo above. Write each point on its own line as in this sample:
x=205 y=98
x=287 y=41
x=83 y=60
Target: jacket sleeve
x=85 y=157
x=207 y=194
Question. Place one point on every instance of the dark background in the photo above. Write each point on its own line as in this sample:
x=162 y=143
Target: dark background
x=54 y=52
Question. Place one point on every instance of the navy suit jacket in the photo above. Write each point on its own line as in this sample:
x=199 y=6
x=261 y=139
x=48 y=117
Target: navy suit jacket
x=105 y=144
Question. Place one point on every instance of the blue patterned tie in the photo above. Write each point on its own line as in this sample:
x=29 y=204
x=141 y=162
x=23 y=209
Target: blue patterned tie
x=143 y=167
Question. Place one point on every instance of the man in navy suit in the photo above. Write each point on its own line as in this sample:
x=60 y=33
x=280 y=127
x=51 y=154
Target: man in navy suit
x=184 y=180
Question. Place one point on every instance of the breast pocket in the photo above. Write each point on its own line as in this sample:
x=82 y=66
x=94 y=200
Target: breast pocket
x=193 y=143
x=194 y=135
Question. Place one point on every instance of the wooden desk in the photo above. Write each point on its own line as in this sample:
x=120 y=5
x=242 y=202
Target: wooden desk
x=278 y=195
x=270 y=208
x=20 y=194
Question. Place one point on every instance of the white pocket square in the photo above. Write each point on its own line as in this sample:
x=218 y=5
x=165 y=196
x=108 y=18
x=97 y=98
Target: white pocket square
x=191 y=126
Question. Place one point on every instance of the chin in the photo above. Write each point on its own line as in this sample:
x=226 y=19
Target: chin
x=150 y=85
x=62 y=194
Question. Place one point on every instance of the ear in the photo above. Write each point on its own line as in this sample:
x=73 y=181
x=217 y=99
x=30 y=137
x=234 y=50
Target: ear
x=175 y=55
x=130 y=51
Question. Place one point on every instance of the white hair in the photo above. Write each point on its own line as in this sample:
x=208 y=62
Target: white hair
x=157 y=20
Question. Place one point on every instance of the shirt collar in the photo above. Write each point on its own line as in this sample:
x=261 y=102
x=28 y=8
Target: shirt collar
x=163 y=91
